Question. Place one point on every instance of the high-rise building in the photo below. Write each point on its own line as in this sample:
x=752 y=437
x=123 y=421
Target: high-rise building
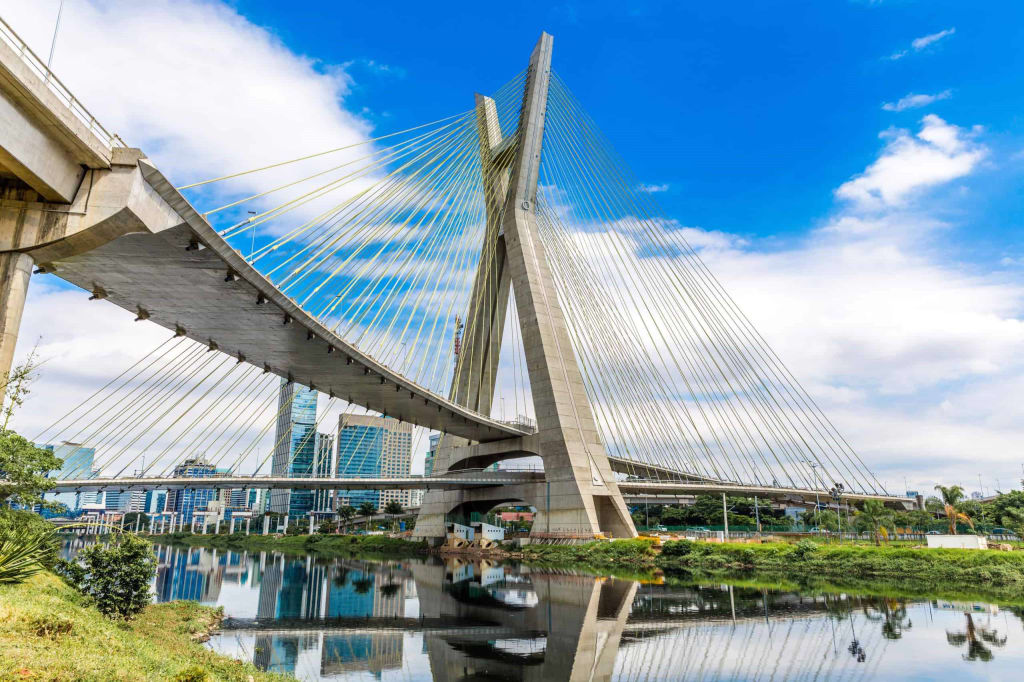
x=117 y=500
x=77 y=464
x=371 y=447
x=189 y=500
x=294 y=447
x=323 y=467
x=154 y=501
x=428 y=463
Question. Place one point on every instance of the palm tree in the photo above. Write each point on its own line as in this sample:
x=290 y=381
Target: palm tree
x=346 y=513
x=975 y=638
x=367 y=509
x=393 y=509
x=951 y=497
x=874 y=516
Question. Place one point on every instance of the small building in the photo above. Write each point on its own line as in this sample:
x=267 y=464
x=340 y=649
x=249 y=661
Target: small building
x=957 y=541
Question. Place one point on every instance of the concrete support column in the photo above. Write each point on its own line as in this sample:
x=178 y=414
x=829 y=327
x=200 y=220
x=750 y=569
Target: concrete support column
x=247 y=522
x=285 y=523
x=15 y=271
x=266 y=524
x=216 y=527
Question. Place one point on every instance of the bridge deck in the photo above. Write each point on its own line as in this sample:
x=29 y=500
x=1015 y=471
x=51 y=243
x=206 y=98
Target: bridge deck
x=186 y=289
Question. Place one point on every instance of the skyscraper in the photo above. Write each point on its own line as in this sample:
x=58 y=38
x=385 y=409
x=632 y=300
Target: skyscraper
x=370 y=447
x=323 y=467
x=77 y=464
x=428 y=463
x=294 y=447
x=188 y=500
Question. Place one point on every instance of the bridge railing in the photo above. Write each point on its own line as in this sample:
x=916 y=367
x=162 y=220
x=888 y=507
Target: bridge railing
x=14 y=41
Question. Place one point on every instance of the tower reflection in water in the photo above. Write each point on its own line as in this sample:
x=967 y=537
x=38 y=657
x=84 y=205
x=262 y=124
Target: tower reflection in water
x=459 y=620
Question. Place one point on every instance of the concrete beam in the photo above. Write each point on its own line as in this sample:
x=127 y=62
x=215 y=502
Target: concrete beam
x=42 y=141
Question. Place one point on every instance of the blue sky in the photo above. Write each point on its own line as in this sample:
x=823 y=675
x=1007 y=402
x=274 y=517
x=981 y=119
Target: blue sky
x=779 y=101
x=852 y=171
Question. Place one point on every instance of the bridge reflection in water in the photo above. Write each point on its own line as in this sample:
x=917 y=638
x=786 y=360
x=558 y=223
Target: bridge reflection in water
x=458 y=620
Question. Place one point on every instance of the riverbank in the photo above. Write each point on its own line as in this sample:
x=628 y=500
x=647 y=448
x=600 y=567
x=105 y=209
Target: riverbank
x=327 y=545
x=48 y=631
x=931 y=569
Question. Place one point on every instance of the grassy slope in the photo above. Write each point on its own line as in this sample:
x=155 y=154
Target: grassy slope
x=49 y=632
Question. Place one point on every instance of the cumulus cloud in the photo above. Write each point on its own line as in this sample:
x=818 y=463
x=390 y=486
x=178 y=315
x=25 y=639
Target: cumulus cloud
x=198 y=87
x=913 y=101
x=653 y=189
x=938 y=153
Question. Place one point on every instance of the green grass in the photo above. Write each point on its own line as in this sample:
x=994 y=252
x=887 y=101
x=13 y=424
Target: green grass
x=924 y=567
x=327 y=545
x=48 y=631
x=616 y=555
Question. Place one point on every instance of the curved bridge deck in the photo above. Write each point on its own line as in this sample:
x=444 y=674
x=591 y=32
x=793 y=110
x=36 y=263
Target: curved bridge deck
x=215 y=297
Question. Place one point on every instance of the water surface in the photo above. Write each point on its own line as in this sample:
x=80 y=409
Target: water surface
x=351 y=619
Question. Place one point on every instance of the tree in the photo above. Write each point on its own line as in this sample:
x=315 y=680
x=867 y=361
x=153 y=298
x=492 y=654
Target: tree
x=23 y=466
x=347 y=513
x=366 y=510
x=393 y=509
x=951 y=496
x=327 y=527
x=117 y=576
x=874 y=517
x=130 y=518
x=1014 y=520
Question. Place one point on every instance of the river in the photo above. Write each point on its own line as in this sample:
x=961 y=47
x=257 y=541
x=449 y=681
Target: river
x=423 y=619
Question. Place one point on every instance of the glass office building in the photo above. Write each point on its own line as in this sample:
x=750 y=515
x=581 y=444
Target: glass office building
x=77 y=464
x=370 y=447
x=360 y=451
x=189 y=500
x=295 y=447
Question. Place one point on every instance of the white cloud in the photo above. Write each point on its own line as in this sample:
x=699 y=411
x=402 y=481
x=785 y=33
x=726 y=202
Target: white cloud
x=919 y=44
x=194 y=84
x=913 y=101
x=653 y=189
x=938 y=153
x=925 y=41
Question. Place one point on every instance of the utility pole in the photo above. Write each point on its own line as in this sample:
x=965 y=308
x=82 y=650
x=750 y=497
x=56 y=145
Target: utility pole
x=757 y=515
x=725 y=516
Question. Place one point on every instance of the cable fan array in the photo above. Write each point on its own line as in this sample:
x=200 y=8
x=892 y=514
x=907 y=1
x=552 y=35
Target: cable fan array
x=677 y=374
x=183 y=402
x=377 y=240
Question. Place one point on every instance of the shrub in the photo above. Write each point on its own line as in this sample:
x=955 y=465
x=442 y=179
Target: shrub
x=11 y=519
x=677 y=548
x=804 y=548
x=25 y=549
x=117 y=576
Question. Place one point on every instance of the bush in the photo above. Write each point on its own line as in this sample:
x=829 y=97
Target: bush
x=677 y=548
x=25 y=548
x=117 y=576
x=16 y=518
x=804 y=548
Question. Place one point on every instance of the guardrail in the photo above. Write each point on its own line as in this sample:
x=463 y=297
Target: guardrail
x=14 y=41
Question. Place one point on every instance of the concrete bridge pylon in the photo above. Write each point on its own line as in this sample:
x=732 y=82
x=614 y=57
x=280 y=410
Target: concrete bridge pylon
x=579 y=497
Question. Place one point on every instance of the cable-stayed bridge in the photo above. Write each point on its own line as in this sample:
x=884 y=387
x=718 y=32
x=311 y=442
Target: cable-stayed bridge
x=500 y=255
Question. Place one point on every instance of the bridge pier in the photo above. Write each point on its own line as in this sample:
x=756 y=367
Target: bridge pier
x=580 y=498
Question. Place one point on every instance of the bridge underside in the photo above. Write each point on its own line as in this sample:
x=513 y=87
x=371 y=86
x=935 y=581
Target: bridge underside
x=167 y=279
